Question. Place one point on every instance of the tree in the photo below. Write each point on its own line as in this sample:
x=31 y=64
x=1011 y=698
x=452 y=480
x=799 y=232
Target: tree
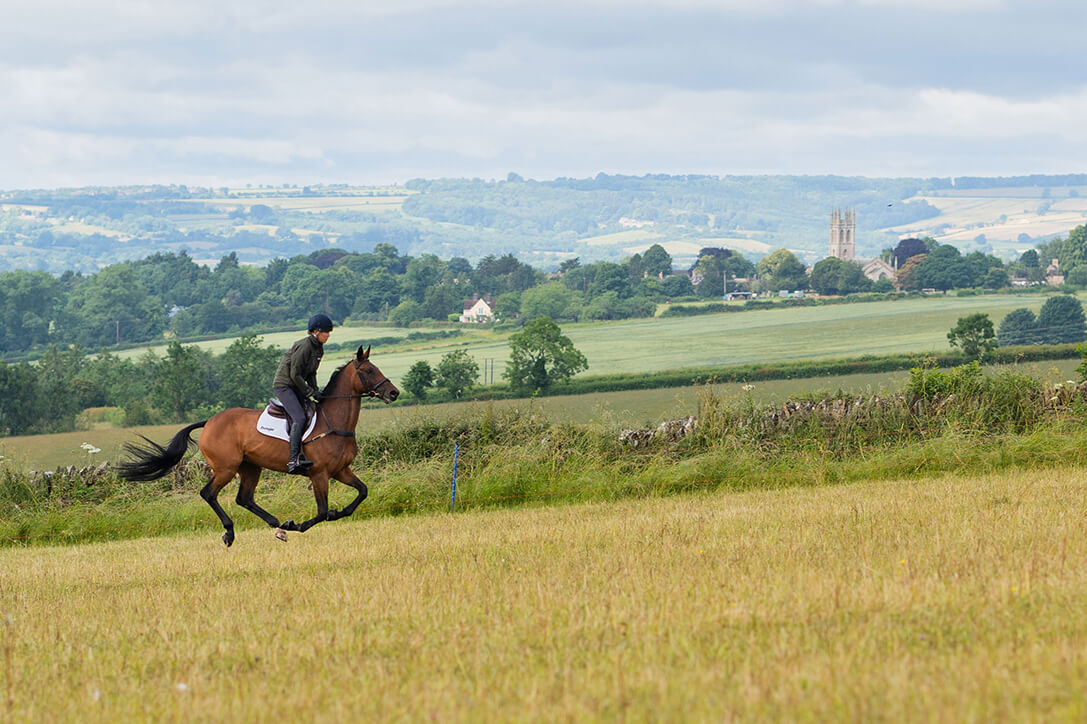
x=837 y=276
x=405 y=313
x=379 y=288
x=457 y=373
x=541 y=355
x=677 y=285
x=567 y=264
x=944 y=268
x=610 y=278
x=657 y=261
x=1020 y=326
x=547 y=300
x=460 y=266
x=1077 y=277
x=1075 y=249
x=246 y=370
x=29 y=301
x=303 y=286
x=1061 y=320
x=445 y=298
x=908 y=276
x=20 y=402
x=57 y=370
x=418 y=379
x=780 y=269
x=180 y=383
x=1029 y=258
x=907 y=248
x=112 y=305
x=995 y=278
x=422 y=273
x=974 y=333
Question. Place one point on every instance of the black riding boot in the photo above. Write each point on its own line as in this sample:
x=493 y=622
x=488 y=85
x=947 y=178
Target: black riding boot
x=298 y=465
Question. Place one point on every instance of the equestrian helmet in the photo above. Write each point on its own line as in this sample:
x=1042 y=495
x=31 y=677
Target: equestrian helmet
x=320 y=323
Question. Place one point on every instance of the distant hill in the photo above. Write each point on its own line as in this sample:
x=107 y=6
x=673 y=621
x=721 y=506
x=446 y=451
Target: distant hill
x=542 y=222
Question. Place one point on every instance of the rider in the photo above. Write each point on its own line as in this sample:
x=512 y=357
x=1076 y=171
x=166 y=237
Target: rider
x=296 y=380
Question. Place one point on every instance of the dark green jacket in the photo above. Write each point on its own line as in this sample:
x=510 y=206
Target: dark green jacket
x=298 y=368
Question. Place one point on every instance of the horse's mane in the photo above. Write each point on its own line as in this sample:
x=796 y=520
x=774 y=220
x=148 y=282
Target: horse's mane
x=332 y=380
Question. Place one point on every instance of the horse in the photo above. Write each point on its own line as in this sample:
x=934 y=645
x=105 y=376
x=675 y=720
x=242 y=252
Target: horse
x=233 y=447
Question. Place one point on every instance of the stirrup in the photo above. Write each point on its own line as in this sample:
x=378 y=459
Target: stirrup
x=299 y=467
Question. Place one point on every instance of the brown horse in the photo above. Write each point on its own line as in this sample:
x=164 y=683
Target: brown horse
x=232 y=446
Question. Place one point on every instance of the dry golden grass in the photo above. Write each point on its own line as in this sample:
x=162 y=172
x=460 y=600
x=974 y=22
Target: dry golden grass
x=951 y=599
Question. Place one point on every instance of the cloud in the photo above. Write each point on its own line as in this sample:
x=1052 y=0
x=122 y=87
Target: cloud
x=336 y=91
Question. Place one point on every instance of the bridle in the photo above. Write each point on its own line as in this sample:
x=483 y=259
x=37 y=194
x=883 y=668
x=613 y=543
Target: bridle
x=372 y=392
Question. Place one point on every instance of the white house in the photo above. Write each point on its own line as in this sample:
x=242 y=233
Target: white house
x=478 y=309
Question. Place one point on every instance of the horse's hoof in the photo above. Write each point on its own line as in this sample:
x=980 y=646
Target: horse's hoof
x=280 y=534
x=228 y=538
x=332 y=515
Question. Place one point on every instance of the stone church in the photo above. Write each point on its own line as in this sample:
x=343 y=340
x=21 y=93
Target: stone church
x=843 y=233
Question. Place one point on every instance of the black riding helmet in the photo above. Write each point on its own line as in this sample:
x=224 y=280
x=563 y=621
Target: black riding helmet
x=320 y=323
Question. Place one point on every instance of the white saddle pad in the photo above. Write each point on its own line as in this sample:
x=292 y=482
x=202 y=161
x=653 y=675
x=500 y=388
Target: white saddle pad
x=277 y=426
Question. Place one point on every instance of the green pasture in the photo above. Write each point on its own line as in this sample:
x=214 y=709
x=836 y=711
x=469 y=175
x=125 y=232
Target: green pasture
x=656 y=344
x=628 y=408
x=651 y=345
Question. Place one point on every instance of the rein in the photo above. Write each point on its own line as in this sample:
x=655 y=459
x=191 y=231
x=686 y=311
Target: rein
x=372 y=392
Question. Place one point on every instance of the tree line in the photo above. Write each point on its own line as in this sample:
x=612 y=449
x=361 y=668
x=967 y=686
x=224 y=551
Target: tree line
x=1061 y=320
x=65 y=387
x=169 y=296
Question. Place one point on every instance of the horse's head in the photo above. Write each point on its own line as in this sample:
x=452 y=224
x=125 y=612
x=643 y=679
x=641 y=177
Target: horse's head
x=370 y=381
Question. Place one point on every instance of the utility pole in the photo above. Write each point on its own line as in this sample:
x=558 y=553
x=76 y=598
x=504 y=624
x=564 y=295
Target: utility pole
x=117 y=329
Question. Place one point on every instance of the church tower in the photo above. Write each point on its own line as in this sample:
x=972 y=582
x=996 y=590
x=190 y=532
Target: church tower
x=843 y=228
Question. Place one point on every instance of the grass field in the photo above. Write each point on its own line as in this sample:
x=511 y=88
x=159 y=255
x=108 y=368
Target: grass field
x=844 y=330
x=956 y=598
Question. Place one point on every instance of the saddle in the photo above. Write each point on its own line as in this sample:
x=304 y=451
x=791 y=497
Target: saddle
x=275 y=409
x=273 y=420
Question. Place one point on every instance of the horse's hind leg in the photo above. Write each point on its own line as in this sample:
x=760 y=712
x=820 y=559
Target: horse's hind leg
x=249 y=475
x=210 y=493
x=347 y=477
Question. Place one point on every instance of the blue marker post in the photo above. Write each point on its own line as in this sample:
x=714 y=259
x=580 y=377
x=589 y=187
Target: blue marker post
x=453 y=497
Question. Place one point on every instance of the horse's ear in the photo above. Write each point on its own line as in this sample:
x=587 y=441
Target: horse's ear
x=363 y=354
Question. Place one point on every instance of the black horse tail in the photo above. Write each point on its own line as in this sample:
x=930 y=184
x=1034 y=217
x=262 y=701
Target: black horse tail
x=151 y=461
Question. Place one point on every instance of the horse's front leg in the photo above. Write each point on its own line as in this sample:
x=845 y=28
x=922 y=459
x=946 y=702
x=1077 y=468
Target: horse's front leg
x=320 y=494
x=348 y=477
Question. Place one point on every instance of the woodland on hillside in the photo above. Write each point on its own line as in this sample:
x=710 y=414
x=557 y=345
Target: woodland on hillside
x=540 y=222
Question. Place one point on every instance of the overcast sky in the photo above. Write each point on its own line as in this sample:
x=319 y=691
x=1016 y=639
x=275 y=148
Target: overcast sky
x=218 y=92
